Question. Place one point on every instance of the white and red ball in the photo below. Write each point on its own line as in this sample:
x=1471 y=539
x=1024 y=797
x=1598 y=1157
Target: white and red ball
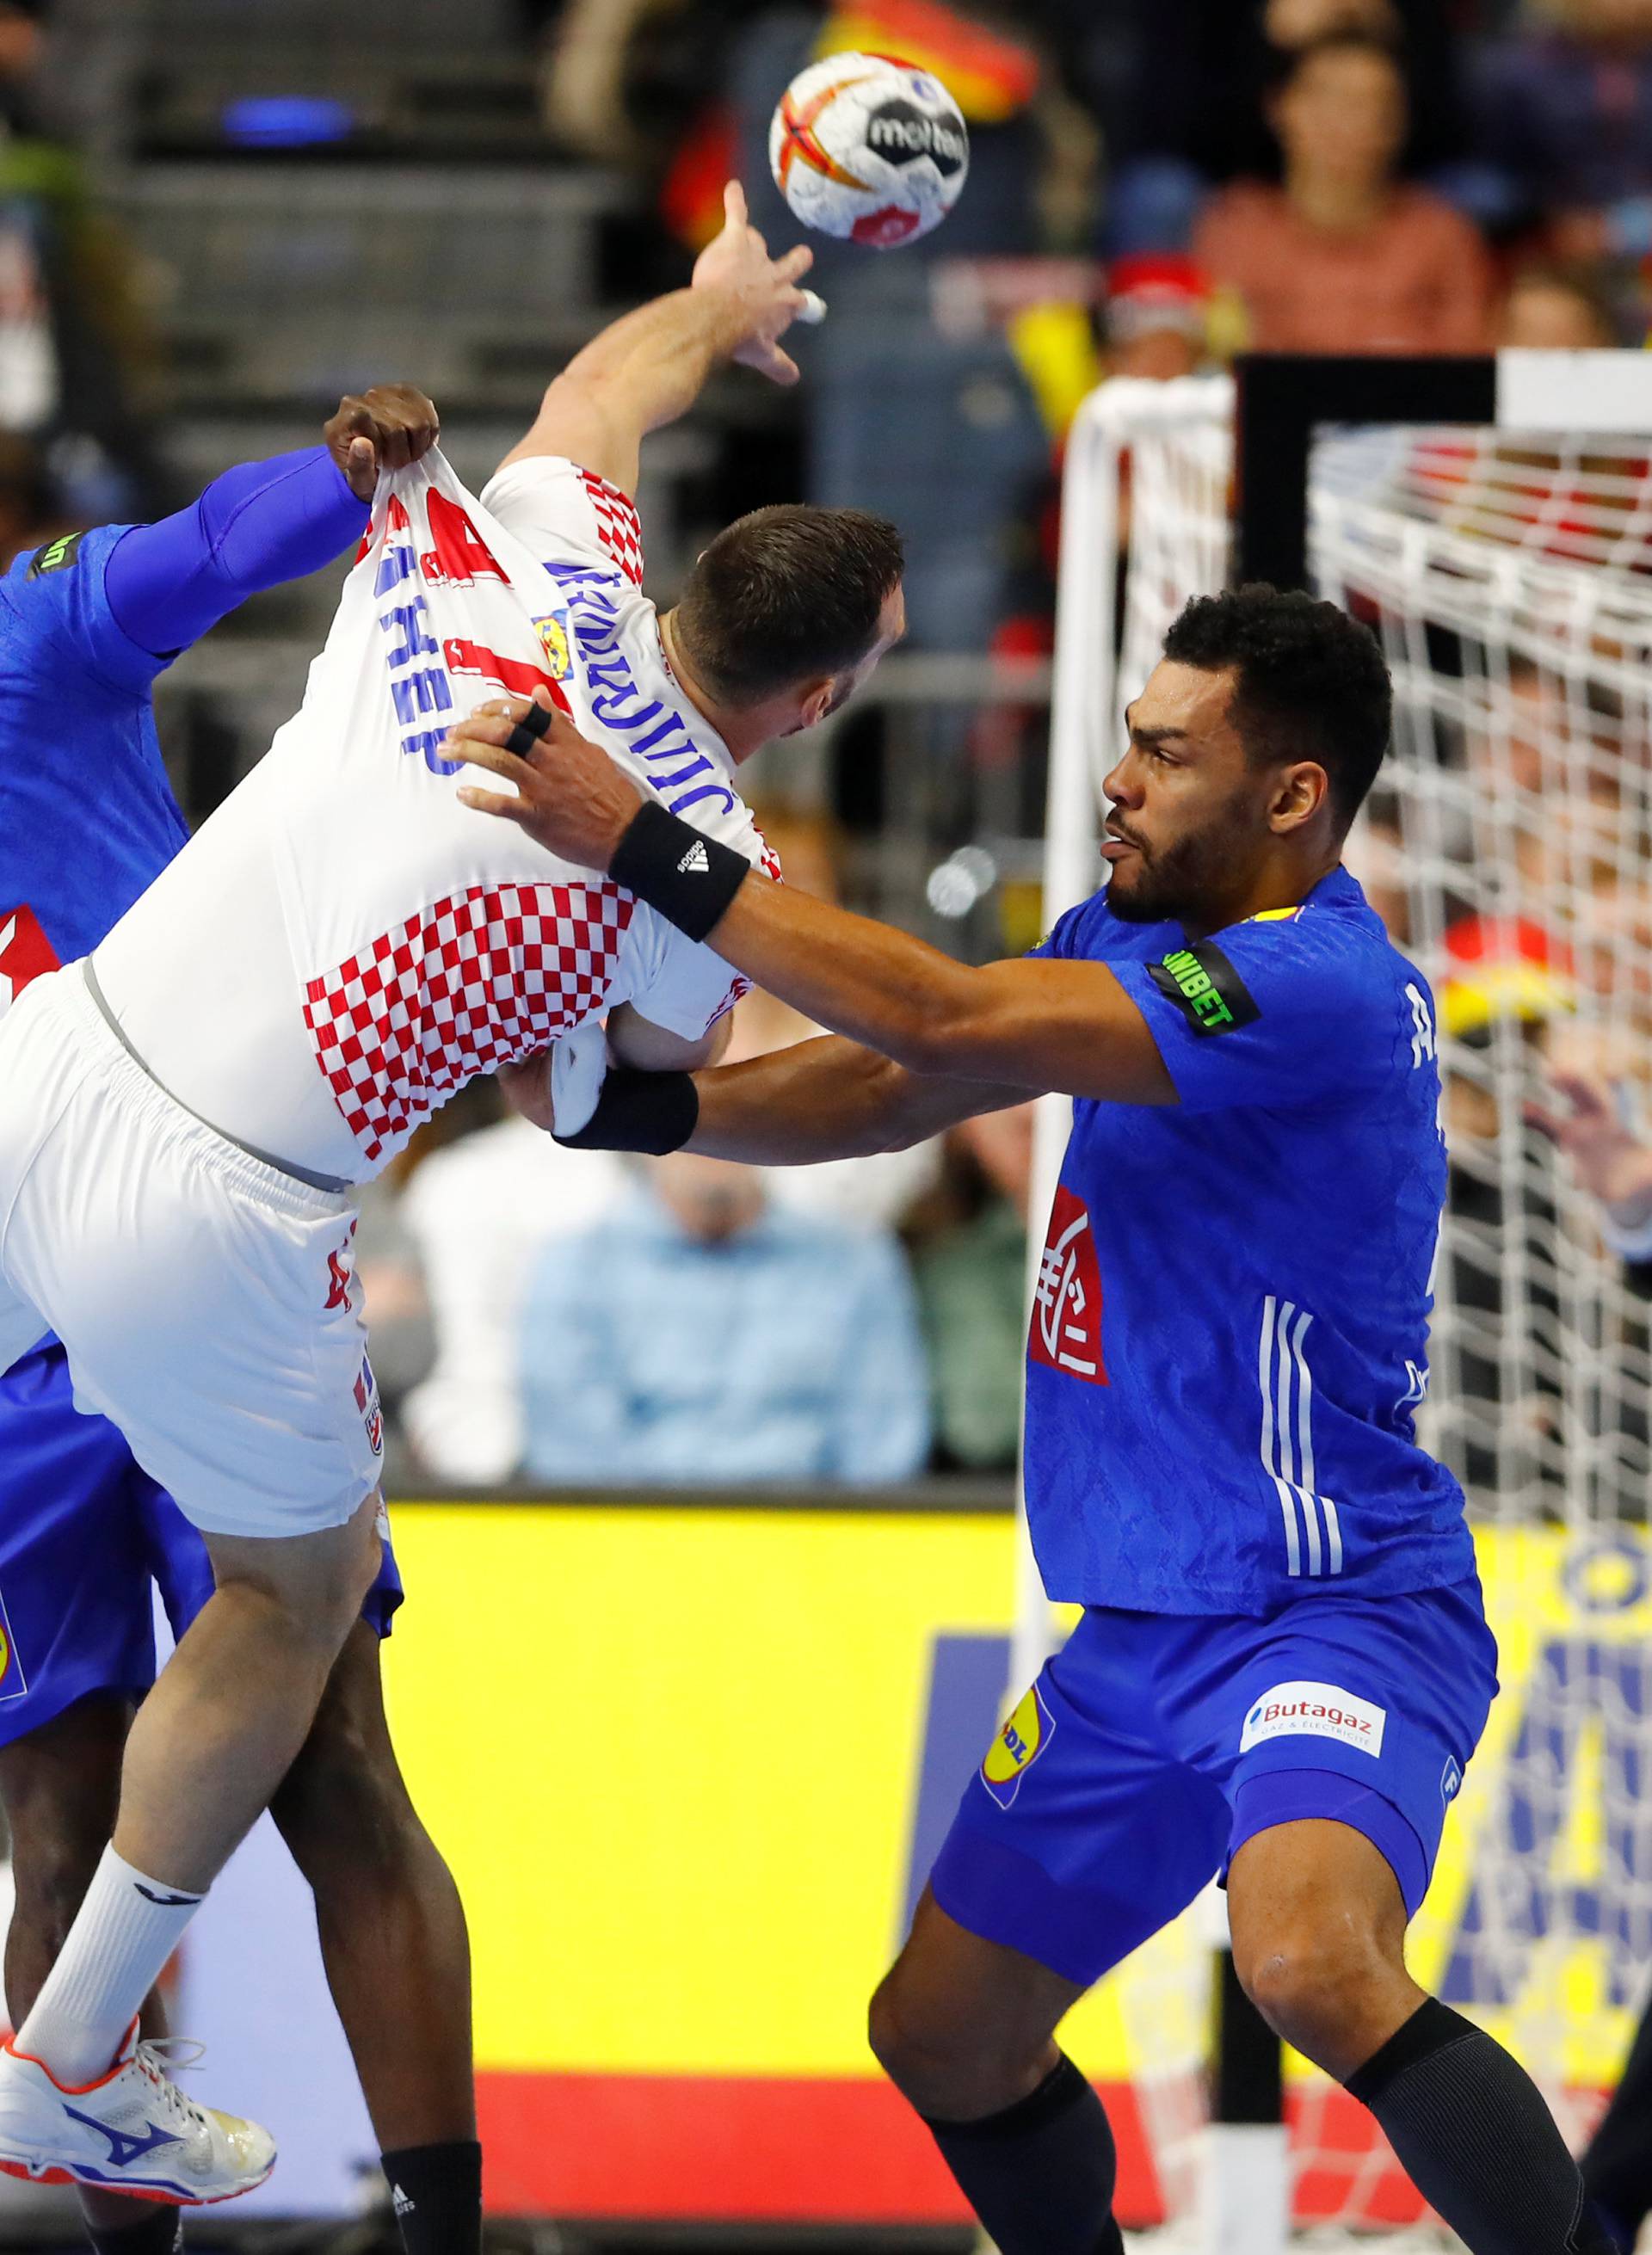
x=868 y=149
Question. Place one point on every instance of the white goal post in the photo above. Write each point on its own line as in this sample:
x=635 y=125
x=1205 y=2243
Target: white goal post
x=1491 y=518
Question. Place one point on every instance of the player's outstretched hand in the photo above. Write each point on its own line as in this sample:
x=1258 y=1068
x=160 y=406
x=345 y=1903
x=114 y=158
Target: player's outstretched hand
x=736 y=261
x=569 y=794
x=385 y=429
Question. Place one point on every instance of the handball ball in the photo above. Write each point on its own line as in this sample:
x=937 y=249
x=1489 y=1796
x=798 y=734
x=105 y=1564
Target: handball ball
x=868 y=149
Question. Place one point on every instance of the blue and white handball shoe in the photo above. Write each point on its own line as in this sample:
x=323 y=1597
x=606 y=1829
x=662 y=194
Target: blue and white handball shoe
x=132 y=2131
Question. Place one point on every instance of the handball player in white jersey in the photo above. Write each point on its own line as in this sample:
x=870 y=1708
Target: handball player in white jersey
x=184 y=1114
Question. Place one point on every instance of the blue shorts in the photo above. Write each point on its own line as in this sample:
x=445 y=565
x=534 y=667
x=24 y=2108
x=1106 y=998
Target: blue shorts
x=1154 y=1746
x=83 y=1531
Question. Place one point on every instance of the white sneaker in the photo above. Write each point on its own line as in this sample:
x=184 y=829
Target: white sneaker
x=132 y=2130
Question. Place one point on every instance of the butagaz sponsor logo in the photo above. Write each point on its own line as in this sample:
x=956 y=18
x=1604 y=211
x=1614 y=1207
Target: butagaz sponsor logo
x=696 y=862
x=902 y=133
x=1451 y=1780
x=1314 y=1711
x=1205 y=989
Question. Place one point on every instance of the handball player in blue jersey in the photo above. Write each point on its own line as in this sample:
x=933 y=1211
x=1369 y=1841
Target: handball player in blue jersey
x=86 y=822
x=1282 y=1666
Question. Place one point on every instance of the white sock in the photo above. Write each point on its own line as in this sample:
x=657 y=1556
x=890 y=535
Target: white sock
x=126 y=1929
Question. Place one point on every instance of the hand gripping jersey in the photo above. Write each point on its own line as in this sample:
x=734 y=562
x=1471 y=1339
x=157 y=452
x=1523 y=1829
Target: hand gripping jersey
x=343 y=945
x=87 y=817
x=1229 y=1338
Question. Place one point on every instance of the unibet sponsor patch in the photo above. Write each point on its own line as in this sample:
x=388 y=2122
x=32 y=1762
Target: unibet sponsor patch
x=56 y=556
x=1016 y=1747
x=1205 y=989
x=1314 y=1711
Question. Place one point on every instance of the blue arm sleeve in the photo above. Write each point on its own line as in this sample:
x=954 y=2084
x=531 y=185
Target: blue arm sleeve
x=254 y=526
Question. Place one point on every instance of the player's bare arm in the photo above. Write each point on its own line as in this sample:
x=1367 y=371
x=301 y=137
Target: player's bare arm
x=828 y=1099
x=1029 y=1024
x=648 y=367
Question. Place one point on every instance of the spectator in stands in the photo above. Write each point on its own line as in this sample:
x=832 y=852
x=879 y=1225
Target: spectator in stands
x=1344 y=257
x=971 y=1273
x=702 y=1336
x=480 y=1215
x=1157 y=317
x=1564 y=117
x=1554 y=307
x=1195 y=114
x=71 y=333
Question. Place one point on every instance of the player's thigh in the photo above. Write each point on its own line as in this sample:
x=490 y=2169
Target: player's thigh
x=320 y=1578
x=206 y=1300
x=1078 y=1835
x=1312 y=1894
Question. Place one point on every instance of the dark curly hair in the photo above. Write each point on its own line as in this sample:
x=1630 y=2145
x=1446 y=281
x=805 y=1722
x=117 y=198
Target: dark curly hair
x=1311 y=682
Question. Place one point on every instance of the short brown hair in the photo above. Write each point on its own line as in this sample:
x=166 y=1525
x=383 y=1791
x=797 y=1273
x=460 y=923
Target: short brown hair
x=785 y=594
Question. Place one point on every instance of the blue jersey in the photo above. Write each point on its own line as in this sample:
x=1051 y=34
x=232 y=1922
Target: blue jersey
x=88 y=819
x=1229 y=1339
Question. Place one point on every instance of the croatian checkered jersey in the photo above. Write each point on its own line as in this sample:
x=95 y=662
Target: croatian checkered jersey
x=343 y=945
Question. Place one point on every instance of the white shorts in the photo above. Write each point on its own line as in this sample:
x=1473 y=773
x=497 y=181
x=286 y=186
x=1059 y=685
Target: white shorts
x=207 y=1301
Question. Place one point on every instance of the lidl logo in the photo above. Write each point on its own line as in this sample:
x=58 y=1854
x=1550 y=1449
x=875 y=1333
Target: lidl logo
x=14 y=1683
x=1016 y=1747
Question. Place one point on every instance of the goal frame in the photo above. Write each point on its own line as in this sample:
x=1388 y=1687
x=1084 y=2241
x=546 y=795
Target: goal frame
x=1278 y=402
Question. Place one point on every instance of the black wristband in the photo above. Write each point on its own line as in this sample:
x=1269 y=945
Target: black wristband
x=526 y=731
x=655 y=1112
x=688 y=877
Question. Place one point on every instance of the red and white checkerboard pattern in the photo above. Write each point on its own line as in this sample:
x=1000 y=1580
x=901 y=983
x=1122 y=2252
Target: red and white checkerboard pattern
x=481 y=979
x=617 y=527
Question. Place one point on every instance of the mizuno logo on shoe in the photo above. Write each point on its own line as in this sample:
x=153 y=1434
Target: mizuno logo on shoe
x=123 y=2147
x=696 y=861
x=166 y=1902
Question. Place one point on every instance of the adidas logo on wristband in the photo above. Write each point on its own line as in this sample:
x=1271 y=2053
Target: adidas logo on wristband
x=696 y=862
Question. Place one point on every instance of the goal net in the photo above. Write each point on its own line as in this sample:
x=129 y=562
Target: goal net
x=1509 y=576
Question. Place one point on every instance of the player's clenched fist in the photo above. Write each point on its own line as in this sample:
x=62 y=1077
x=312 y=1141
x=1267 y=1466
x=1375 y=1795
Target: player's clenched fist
x=569 y=794
x=385 y=429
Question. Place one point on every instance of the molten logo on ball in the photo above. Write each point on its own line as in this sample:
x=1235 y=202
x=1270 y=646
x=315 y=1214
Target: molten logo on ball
x=869 y=150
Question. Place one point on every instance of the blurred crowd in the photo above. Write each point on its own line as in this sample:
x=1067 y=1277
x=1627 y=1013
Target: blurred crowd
x=1156 y=186
x=572 y=1318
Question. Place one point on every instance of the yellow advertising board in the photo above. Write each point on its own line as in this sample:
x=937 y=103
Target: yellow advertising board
x=690 y=1764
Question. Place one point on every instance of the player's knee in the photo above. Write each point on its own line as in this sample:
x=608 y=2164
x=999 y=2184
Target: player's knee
x=319 y=1588
x=1313 y=1982
x=950 y=2072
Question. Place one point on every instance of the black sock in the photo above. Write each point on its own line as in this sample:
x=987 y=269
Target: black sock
x=436 y=2192
x=160 y=2232
x=1040 y=2174
x=1474 y=2135
x=1617 y=2166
